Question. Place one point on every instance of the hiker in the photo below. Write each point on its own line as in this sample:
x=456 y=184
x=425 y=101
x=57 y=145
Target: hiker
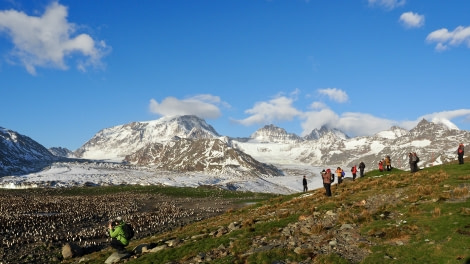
x=414 y=162
x=410 y=161
x=339 y=174
x=116 y=232
x=388 y=163
x=354 y=172
x=362 y=166
x=381 y=166
x=327 y=180
x=460 y=152
x=304 y=182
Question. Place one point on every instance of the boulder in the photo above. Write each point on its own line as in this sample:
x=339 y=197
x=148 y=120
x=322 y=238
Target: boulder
x=71 y=250
x=116 y=257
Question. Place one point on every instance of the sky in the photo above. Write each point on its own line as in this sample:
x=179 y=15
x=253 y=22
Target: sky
x=69 y=69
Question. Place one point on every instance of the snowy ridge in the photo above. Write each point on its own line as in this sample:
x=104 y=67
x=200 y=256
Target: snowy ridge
x=117 y=142
x=434 y=143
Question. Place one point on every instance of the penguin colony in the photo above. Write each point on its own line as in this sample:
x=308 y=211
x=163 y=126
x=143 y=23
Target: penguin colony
x=34 y=223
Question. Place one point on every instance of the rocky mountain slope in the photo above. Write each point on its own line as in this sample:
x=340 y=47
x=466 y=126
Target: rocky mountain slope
x=20 y=154
x=202 y=155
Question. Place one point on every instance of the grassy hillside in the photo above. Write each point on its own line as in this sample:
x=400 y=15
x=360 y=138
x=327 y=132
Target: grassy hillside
x=384 y=217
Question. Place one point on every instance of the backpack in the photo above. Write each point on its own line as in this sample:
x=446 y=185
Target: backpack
x=343 y=173
x=128 y=231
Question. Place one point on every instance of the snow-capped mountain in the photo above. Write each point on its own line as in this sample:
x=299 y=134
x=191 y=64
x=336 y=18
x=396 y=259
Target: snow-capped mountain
x=182 y=143
x=117 y=142
x=318 y=133
x=271 y=133
x=20 y=154
x=434 y=143
x=201 y=155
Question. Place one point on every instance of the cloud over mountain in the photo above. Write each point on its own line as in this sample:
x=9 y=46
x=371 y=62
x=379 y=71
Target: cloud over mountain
x=204 y=106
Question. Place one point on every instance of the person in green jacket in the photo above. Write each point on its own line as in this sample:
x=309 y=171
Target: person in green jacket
x=116 y=232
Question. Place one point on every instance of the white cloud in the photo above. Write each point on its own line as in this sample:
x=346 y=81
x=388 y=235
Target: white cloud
x=445 y=38
x=445 y=117
x=204 y=106
x=317 y=119
x=412 y=20
x=47 y=40
x=387 y=4
x=334 y=94
x=353 y=124
x=361 y=124
x=318 y=105
x=277 y=109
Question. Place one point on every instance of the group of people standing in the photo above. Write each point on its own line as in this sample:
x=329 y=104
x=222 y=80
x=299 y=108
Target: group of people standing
x=329 y=177
x=385 y=164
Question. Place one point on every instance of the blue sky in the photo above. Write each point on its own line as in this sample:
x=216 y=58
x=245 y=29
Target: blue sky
x=71 y=68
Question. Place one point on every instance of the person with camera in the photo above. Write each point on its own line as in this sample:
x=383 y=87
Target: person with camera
x=116 y=232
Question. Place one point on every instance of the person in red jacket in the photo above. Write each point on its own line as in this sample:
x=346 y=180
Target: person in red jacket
x=354 y=172
x=460 y=152
x=381 y=166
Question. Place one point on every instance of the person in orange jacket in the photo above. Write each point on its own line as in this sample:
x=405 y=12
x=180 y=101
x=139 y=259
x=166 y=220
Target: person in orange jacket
x=339 y=174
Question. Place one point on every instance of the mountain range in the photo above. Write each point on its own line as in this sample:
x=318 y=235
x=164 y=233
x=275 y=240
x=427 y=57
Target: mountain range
x=189 y=144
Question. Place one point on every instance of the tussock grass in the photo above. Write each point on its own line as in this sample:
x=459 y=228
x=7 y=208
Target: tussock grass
x=460 y=192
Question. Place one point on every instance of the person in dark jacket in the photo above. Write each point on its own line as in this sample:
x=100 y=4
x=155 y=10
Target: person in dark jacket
x=414 y=162
x=116 y=232
x=304 y=182
x=362 y=166
x=410 y=161
x=460 y=152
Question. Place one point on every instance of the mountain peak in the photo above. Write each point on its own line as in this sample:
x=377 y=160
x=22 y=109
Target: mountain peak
x=272 y=133
x=116 y=142
x=325 y=130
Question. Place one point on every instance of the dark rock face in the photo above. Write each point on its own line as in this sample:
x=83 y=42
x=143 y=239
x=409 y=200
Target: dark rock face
x=20 y=154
